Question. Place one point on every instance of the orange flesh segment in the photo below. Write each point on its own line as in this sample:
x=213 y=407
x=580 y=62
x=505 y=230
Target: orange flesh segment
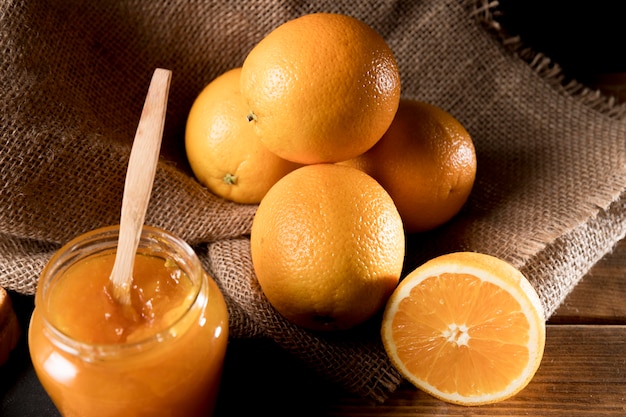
x=462 y=335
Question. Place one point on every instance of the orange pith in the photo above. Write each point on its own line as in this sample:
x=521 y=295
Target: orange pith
x=465 y=330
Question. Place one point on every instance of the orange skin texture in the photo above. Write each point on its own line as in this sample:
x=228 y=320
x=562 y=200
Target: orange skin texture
x=222 y=147
x=321 y=88
x=327 y=247
x=426 y=161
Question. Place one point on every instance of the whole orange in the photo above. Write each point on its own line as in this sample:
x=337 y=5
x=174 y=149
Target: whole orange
x=327 y=246
x=427 y=163
x=321 y=88
x=223 y=150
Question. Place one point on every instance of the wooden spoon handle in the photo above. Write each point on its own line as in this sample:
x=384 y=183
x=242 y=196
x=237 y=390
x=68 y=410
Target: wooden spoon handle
x=142 y=165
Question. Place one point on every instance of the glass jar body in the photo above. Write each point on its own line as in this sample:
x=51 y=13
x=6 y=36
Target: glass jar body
x=174 y=371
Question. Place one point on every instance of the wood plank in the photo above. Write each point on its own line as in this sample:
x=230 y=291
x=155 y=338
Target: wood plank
x=600 y=297
x=583 y=373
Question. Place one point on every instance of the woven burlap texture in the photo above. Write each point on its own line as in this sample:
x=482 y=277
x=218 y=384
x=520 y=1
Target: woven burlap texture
x=549 y=196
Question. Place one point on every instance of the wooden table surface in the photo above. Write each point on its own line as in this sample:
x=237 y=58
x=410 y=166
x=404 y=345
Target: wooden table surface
x=583 y=372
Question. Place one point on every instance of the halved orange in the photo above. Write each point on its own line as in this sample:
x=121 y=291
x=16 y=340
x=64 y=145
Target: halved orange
x=465 y=327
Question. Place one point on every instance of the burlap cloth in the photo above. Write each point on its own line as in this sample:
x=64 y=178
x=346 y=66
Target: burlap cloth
x=550 y=192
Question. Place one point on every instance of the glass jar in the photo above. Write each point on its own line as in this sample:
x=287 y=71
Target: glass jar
x=95 y=357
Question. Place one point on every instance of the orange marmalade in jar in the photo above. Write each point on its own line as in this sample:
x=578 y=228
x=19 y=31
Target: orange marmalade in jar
x=161 y=355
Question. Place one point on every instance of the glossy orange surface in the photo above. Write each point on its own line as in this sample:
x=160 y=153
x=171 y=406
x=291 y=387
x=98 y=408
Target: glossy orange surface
x=161 y=356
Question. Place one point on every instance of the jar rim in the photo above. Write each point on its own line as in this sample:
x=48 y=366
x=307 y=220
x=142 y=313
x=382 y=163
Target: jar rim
x=77 y=249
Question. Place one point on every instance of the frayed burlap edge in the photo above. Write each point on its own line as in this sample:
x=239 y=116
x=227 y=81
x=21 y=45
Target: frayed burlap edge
x=603 y=230
x=487 y=11
x=555 y=280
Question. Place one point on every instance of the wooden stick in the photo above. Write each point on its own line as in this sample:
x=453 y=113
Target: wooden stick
x=142 y=165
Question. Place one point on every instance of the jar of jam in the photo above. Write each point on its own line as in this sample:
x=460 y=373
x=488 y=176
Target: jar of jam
x=161 y=355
